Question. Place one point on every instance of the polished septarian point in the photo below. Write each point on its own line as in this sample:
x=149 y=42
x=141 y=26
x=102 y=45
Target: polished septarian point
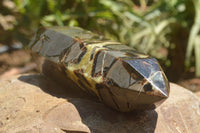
x=119 y=76
x=156 y=82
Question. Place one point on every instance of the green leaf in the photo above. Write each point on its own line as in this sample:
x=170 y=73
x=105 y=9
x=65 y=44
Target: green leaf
x=194 y=32
x=197 y=55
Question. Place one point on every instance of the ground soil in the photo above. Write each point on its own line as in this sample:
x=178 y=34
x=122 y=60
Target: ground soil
x=16 y=62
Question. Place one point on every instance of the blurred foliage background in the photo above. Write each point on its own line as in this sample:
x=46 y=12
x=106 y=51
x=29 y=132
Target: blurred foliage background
x=167 y=30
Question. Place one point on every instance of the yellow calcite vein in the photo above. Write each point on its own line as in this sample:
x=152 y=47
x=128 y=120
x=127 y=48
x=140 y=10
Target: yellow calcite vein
x=86 y=65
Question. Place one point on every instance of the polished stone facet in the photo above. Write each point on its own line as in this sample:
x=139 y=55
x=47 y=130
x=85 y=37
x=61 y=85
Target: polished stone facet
x=119 y=76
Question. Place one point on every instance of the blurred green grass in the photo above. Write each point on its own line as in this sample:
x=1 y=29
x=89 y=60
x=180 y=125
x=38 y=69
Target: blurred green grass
x=167 y=30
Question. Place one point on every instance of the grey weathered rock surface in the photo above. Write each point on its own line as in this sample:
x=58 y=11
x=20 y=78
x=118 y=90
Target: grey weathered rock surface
x=35 y=104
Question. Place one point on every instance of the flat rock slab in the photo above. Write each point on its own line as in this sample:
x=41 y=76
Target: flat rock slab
x=36 y=104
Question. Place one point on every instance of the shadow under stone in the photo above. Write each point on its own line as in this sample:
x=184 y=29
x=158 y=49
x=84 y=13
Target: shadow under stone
x=98 y=117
